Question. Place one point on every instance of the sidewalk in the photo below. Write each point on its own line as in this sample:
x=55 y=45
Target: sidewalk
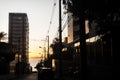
x=31 y=76
x=7 y=77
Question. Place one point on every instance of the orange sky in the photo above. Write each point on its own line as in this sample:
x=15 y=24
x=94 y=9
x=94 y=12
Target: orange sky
x=41 y=16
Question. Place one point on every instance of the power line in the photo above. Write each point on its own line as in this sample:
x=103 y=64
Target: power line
x=53 y=10
x=51 y=19
x=50 y=23
x=63 y=26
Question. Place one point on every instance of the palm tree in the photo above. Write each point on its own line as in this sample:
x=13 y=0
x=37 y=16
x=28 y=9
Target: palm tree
x=2 y=35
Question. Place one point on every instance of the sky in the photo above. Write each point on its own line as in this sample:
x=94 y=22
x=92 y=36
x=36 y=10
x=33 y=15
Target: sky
x=41 y=16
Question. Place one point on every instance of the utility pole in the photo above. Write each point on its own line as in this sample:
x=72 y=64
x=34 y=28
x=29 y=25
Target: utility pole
x=60 y=42
x=77 y=7
x=82 y=39
x=44 y=48
x=48 y=46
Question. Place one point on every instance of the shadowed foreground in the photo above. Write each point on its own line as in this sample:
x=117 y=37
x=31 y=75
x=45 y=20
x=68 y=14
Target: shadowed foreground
x=32 y=76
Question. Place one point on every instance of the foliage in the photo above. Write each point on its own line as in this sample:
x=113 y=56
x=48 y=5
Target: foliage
x=2 y=35
x=56 y=45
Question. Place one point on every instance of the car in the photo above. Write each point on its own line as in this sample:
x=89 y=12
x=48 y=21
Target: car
x=45 y=73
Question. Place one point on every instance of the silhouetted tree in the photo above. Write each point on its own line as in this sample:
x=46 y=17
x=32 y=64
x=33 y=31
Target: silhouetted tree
x=55 y=46
x=2 y=35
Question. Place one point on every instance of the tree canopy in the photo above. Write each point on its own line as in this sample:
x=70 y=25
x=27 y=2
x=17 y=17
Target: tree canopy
x=2 y=35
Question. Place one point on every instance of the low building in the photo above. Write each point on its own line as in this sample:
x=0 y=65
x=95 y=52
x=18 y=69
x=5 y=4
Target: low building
x=7 y=54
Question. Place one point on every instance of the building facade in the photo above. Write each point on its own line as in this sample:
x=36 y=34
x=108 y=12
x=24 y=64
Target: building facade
x=73 y=32
x=19 y=35
x=7 y=55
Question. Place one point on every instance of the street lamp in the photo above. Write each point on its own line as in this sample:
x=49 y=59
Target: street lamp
x=44 y=49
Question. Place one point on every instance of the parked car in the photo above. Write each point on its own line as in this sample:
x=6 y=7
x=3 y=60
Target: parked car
x=45 y=73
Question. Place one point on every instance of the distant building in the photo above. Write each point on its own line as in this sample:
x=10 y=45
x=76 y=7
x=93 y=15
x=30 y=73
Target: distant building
x=19 y=34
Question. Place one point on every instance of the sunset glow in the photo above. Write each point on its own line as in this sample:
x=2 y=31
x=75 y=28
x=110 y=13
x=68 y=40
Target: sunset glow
x=38 y=18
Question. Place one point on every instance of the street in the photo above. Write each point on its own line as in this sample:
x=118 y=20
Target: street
x=32 y=76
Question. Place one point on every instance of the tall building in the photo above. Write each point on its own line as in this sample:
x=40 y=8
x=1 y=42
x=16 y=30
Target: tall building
x=19 y=34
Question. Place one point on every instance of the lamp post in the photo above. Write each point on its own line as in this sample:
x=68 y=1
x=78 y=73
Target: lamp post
x=44 y=50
